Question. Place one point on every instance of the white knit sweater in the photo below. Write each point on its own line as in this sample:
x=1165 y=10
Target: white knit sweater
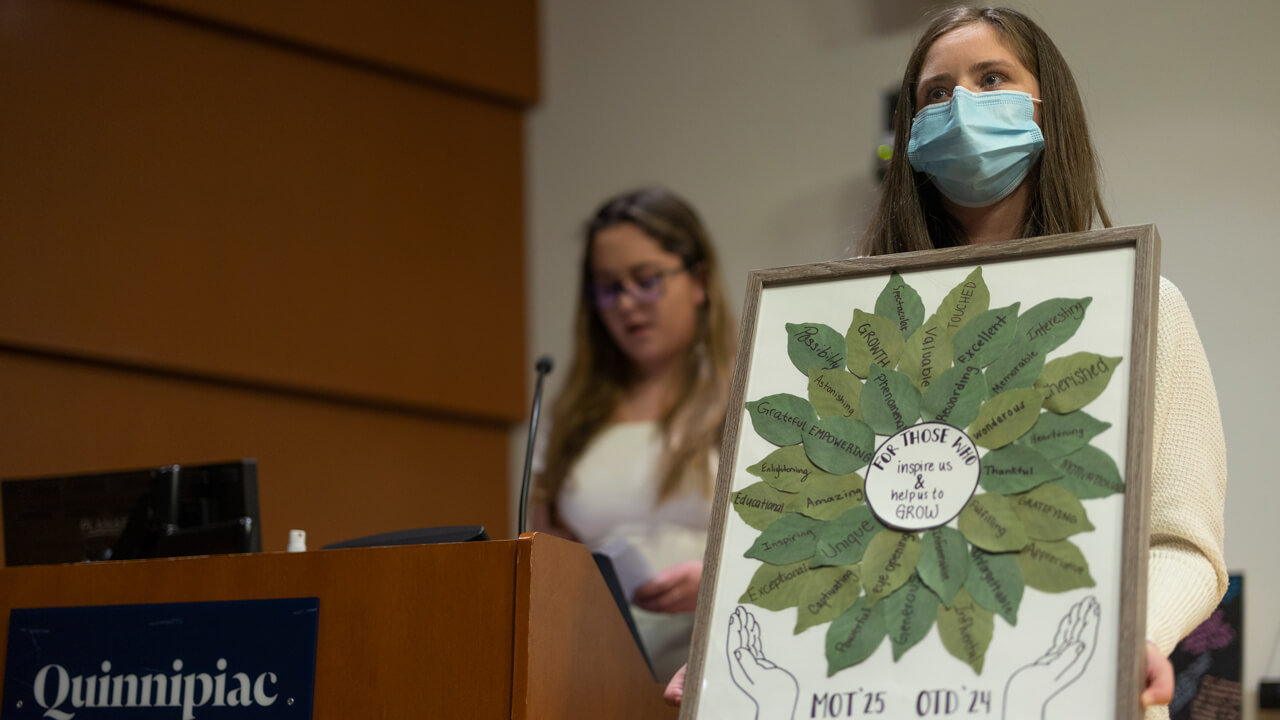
x=1187 y=575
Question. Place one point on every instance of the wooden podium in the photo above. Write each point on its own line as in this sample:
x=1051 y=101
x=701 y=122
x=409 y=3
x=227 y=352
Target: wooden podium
x=522 y=629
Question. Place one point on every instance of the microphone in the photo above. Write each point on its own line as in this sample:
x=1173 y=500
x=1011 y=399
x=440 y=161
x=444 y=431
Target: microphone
x=543 y=368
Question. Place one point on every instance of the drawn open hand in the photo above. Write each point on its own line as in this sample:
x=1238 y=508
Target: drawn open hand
x=1032 y=686
x=773 y=690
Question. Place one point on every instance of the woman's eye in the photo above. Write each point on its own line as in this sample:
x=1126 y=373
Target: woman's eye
x=991 y=80
x=648 y=282
x=937 y=95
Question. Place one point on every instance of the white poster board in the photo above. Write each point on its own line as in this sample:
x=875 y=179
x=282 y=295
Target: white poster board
x=931 y=499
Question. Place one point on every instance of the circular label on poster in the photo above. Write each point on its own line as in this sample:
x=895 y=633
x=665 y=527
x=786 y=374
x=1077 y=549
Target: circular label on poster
x=922 y=477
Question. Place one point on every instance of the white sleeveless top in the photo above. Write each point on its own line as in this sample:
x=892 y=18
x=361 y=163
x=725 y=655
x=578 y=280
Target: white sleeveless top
x=610 y=495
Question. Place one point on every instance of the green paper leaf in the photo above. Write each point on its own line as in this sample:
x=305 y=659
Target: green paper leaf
x=995 y=583
x=854 y=636
x=1056 y=435
x=1005 y=417
x=787 y=469
x=782 y=419
x=1052 y=322
x=900 y=302
x=835 y=392
x=908 y=614
x=890 y=559
x=1074 y=381
x=956 y=397
x=926 y=354
x=840 y=445
x=1054 y=566
x=873 y=341
x=1018 y=367
x=965 y=301
x=1015 y=469
x=1090 y=473
x=814 y=345
x=759 y=504
x=992 y=523
x=826 y=497
x=827 y=594
x=776 y=587
x=788 y=540
x=986 y=336
x=844 y=540
x=890 y=402
x=1051 y=512
x=966 y=630
x=944 y=562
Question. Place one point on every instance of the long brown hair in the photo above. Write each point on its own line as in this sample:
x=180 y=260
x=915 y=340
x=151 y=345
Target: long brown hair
x=1065 y=195
x=600 y=372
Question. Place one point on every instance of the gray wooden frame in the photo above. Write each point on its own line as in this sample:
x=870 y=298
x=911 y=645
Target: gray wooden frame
x=1145 y=240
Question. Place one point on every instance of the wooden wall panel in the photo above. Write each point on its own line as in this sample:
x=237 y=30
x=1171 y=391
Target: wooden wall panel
x=338 y=471
x=487 y=45
x=185 y=198
x=280 y=230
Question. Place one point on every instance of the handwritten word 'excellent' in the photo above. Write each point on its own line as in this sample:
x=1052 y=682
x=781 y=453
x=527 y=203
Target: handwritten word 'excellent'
x=986 y=335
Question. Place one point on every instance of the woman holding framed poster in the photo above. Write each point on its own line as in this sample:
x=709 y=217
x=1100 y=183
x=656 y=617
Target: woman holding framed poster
x=997 y=149
x=990 y=116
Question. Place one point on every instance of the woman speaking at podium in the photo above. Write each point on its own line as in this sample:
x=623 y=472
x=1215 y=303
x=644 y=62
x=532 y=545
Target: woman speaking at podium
x=631 y=457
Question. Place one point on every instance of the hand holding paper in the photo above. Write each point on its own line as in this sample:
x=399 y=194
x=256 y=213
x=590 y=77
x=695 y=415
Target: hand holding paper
x=673 y=590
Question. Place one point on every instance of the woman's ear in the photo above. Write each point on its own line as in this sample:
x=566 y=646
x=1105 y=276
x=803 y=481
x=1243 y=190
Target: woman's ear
x=699 y=275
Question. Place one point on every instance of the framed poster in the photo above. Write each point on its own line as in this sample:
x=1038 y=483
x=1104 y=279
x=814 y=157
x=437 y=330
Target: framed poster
x=932 y=491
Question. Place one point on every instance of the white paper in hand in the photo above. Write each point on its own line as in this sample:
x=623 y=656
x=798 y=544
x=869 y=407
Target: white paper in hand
x=629 y=564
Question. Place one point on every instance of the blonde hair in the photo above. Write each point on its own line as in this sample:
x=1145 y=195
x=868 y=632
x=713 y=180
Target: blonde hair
x=600 y=371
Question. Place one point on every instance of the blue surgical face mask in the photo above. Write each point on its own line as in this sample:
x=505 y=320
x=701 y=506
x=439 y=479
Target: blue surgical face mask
x=978 y=147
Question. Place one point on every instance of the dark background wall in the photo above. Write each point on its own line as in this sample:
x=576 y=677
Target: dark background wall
x=290 y=231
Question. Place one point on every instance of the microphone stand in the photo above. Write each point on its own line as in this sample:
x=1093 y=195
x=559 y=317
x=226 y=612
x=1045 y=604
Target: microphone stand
x=543 y=367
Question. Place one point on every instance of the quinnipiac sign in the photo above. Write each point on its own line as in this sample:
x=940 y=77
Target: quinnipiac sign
x=177 y=661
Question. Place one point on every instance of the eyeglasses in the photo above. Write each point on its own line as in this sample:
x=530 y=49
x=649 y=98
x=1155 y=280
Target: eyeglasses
x=645 y=288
